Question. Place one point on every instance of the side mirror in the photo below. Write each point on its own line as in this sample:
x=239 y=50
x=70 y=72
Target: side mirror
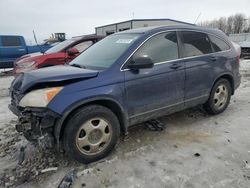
x=72 y=51
x=143 y=62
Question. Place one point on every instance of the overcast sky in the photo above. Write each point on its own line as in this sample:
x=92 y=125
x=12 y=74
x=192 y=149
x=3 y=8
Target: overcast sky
x=77 y=17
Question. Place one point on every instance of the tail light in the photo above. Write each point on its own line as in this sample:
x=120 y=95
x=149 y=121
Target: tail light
x=238 y=59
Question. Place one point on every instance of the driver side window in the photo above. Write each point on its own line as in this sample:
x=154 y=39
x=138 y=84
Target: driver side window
x=160 y=48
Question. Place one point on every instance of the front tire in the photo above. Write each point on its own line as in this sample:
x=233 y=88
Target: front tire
x=219 y=97
x=91 y=133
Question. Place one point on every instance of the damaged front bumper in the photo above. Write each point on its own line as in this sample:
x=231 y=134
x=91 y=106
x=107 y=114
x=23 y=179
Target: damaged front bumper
x=37 y=124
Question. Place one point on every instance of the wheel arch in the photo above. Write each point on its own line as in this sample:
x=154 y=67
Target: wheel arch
x=227 y=76
x=111 y=104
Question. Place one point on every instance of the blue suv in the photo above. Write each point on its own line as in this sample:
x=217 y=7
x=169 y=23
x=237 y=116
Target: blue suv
x=127 y=78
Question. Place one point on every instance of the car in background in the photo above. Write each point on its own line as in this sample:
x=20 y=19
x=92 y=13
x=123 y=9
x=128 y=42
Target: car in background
x=60 y=54
x=125 y=79
x=13 y=47
x=245 y=49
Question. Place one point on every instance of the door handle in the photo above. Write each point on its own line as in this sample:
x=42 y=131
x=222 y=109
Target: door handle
x=213 y=58
x=175 y=66
x=21 y=49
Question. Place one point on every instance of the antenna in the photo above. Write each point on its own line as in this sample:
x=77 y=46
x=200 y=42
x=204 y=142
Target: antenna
x=197 y=18
x=37 y=42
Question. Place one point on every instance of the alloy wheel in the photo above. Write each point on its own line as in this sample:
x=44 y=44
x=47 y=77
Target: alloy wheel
x=220 y=96
x=94 y=136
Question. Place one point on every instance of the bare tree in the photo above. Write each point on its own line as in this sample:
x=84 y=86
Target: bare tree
x=222 y=24
x=230 y=22
x=233 y=24
x=212 y=24
x=246 y=25
x=238 y=23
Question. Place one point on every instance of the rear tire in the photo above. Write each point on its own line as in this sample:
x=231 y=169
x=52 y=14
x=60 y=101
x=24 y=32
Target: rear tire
x=91 y=133
x=219 y=97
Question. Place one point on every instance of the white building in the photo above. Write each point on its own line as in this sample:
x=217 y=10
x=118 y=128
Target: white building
x=136 y=23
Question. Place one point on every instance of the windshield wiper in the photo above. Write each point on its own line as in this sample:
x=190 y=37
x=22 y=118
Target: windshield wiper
x=77 y=65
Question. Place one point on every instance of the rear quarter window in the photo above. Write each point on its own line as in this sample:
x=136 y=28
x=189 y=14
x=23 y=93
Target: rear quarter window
x=195 y=43
x=218 y=44
x=8 y=41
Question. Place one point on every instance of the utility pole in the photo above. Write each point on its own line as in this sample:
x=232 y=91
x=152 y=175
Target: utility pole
x=197 y=18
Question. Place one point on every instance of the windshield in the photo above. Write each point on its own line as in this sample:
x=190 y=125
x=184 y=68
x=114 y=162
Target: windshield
x=104 y=53
x=60 y=46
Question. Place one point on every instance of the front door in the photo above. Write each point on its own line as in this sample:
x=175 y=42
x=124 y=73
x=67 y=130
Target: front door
x=158 y=90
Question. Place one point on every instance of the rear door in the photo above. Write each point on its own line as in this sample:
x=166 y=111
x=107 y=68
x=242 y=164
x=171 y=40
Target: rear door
x=199 y=63
x=158 y=90
x=11 y=48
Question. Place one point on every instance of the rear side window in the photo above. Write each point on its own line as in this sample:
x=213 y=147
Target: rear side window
x=195 y=43
x=218 y=44
x=160 y=48
x=10 y=41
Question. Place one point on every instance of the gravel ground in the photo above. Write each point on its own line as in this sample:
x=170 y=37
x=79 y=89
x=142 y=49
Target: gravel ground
x=196 y=150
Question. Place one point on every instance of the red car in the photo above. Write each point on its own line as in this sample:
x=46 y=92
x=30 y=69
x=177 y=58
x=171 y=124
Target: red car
x=61 y=53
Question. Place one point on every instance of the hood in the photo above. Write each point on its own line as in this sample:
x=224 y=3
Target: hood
x=32 y=55
x=28 y=56
x=52 y=76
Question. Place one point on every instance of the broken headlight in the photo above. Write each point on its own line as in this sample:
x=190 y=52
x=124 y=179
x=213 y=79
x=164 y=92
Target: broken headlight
x=39 y=97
